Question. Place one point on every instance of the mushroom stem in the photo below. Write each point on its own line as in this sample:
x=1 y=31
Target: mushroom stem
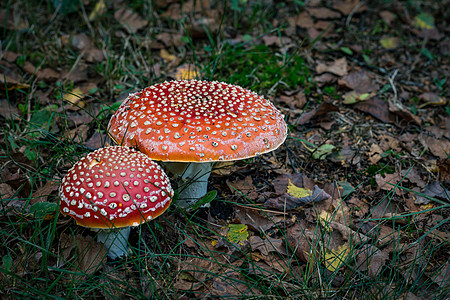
x=192 y=181
x=115 y=241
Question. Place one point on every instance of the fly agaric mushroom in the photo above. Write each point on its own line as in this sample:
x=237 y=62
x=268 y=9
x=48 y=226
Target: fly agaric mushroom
x=197 y=122
x=115 y=187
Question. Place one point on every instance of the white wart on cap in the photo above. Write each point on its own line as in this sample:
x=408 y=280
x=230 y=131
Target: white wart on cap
x=198 y=121
x=115 y=187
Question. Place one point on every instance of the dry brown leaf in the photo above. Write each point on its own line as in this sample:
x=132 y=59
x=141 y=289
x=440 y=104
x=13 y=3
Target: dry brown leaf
x=10 y=56
x=388 y=17
x=320 y=116
x=438 y=147
x=338 y=67
x=303 y=20
x=129 y=19
x=376 y=108
x=232 y=284
x=359 y=82
x=256 y=220
x=347 y=7
x=371 y=259
x=389 y=181
x=201 y=269
x=267 y=245
x=322 y=13
x=85 y=254
x=41 y=195
x=8 y=111
x=243 y=187
x=375 y=153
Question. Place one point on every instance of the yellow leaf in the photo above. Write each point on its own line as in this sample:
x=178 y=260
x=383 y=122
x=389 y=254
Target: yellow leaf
x=424 y=21
x=74 y=97
x=237 y=233
x=99 y=9
x=390 y=42
x=325 y=218
x=167 y=56
x=214 y=243
x=296 y=191
x=186 y=72
x=334 y=259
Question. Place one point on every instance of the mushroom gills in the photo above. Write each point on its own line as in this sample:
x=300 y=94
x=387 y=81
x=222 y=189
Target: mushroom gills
x=192 y=181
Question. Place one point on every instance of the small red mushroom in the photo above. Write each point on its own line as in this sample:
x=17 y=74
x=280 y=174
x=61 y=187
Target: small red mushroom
x=197 y=122
x=115 y=187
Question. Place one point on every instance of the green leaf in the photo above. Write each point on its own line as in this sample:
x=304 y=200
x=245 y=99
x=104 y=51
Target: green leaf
x=210 y=196
x=427 y=53
x=237 y=233
x=390 y=42
x=323 y=151
x=42 y=209
x=347 y=50
x=424 y=21
x=7 y=262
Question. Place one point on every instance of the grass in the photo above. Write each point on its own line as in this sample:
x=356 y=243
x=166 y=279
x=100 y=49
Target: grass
x=47 y=256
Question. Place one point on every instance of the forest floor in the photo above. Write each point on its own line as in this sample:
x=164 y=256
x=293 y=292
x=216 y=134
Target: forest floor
x=363 y=86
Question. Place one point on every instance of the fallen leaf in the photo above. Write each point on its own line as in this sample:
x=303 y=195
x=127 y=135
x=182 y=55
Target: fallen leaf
x=303 y=20
x=388 y=17
x=11 y=83
x=296 y=191
x=288 y=202
x=8 y=111
x=347 y=7
x=74 y=97
x=323 y=151
x=237 y=233
x=243 y=187
x=389 y=181
x=267 y=245
x=167 y=56
x=338 y=67
x=41 y=194
x=99 y=9
x=186 y=72
x=438 y=147
x=424 y=21
x=432 y=99
x=83 y=253
x=403 y=115
x=321 y=116
x=322 y=13
x=129 y=19
x=371 y=259
x=389 y=42
x=359 y=81
x=231 y=284
x=201 y=269
x=255 y=220
x=434 y=190
x=377 y=108
x=335 y=258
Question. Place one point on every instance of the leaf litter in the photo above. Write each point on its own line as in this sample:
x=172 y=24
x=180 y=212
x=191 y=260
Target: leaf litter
x=361 y=184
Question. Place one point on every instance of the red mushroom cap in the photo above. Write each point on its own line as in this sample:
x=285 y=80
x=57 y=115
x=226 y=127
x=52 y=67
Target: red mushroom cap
x=115 y=187
x=198 y=121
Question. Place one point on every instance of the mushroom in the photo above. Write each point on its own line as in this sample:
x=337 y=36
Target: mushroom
x=195 y=123
x=112 y=189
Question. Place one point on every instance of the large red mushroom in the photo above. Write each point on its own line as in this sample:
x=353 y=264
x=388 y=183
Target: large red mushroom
x=195 y=123
x=115 y=187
